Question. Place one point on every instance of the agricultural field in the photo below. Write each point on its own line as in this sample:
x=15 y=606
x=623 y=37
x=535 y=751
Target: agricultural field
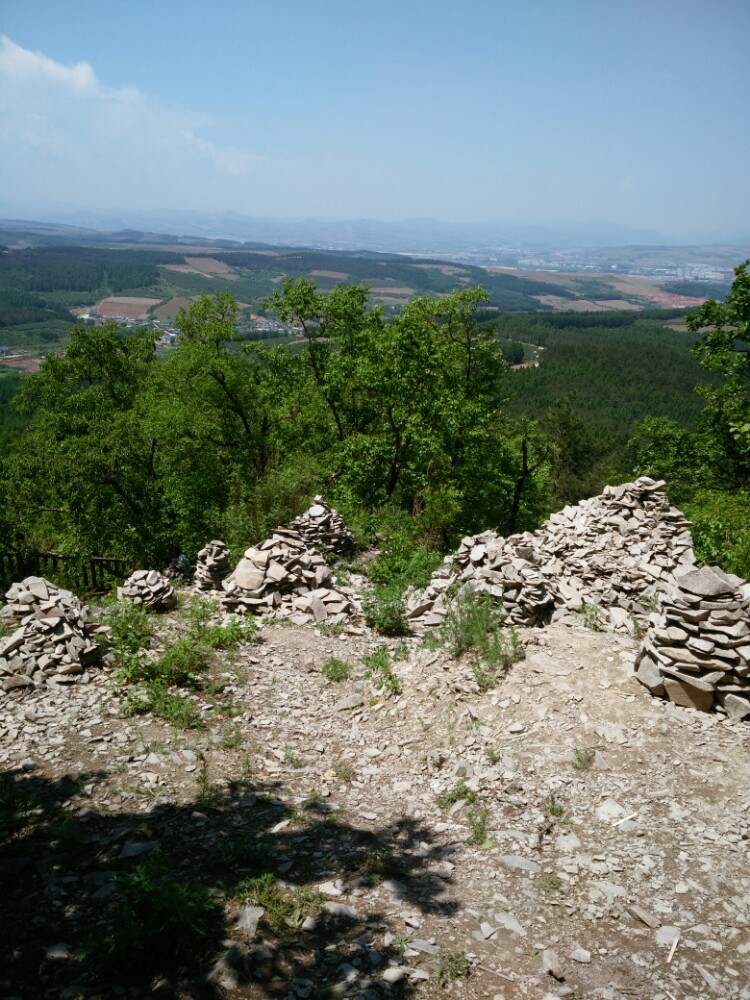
x=131 y=307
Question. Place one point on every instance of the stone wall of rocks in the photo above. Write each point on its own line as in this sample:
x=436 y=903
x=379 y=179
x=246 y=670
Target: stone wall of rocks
x=324 y=527
x=696 y=650
x=50 y=643
x=610 y=551
x=282 y=575
x=149 y=588
x=213 y=566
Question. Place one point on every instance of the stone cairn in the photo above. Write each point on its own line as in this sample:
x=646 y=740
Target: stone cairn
x=149 y=588
x=212 y=567
x=51 y=642
x=282 y=575
x=324 y=527
x=611 y=552
x=696 y=650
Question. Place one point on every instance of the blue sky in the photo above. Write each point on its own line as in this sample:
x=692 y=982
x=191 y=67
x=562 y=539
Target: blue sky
x=629 y=111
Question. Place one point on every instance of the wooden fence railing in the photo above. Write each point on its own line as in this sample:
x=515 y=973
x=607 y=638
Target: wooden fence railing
x=90 y=573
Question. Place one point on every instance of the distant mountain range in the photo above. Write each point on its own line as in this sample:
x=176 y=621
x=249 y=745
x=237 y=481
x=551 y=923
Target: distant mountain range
x=415 y=236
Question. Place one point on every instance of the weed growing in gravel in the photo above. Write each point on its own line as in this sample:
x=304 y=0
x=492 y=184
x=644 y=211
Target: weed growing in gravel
x=492 y=756
x=385 y=613
x=284 y=907
x=552 y=806
x=380 y=671
x=401 y=652
x=230 y=737
x=475 y=625
x=164 y=704
x=583 y=758
x=589 y=615
x=336 y=670
x=451 y=965
x=292 y=759
x=548 y=883
x=210 y=793
x=477 y=820
x=179 y=665
x=459 y=793
x=159 y=916
x=130 y=630
x=345 y=772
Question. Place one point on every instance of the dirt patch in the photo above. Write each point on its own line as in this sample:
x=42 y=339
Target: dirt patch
x=29 y=365
x=171 y=308
x=208 y=265
x=126 y=307
x=336 y=275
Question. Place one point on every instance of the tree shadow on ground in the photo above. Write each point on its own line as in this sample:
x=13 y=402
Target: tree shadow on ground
x=165 y=901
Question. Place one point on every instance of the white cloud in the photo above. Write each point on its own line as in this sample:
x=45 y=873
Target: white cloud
x=66 y=137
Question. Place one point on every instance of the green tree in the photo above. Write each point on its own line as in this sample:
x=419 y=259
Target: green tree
x=83 y=474
x=708 y=468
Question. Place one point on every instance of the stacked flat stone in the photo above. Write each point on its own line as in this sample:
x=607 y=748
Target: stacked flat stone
x=696 y=650
x=51 y=642
x=213 y=566
x=324 y=527
x=282 y=575
x=149 y=588
x=610 y=551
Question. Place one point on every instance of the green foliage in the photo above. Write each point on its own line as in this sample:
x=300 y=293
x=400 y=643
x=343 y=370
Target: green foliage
x=130 y=631
x=552 y=805
x=156 y=698
x=708 y=468
x=385 y=613
x=380 y=671
x=451 y=965
x=336 y=670
x=233 y=633
x=285 y=908
x=477 y=820
x=475 y=624
x=459 y=793
x=159 y=918
x=583 y=758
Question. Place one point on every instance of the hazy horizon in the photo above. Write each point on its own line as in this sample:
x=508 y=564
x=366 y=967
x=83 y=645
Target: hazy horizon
x=499 y=114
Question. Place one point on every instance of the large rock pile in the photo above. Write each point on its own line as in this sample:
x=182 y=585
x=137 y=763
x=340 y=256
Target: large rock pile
x=324 y=527
x=213 y=566
x=149 y=588
x=610 y=551
x=51 y=643
x=282 y=575
x=696 y=650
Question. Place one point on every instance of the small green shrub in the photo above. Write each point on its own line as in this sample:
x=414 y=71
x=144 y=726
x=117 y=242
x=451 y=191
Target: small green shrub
x=380 y=671
x=475 y=624
x=549 y=883
x=232 y=634
x=589 y=615
x=451 y=965
x=180 y=665
x=385 y=613
x=285 y=908
x=163 y=922
x=336 y=670
x=477 y=820
x=459 y=793
x=583 y=758
x=470 y=622
x=130 y=628
x=552 y=806
x=164 y=704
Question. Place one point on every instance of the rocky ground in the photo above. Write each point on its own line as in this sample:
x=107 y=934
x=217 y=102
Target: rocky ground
x=562 y=834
